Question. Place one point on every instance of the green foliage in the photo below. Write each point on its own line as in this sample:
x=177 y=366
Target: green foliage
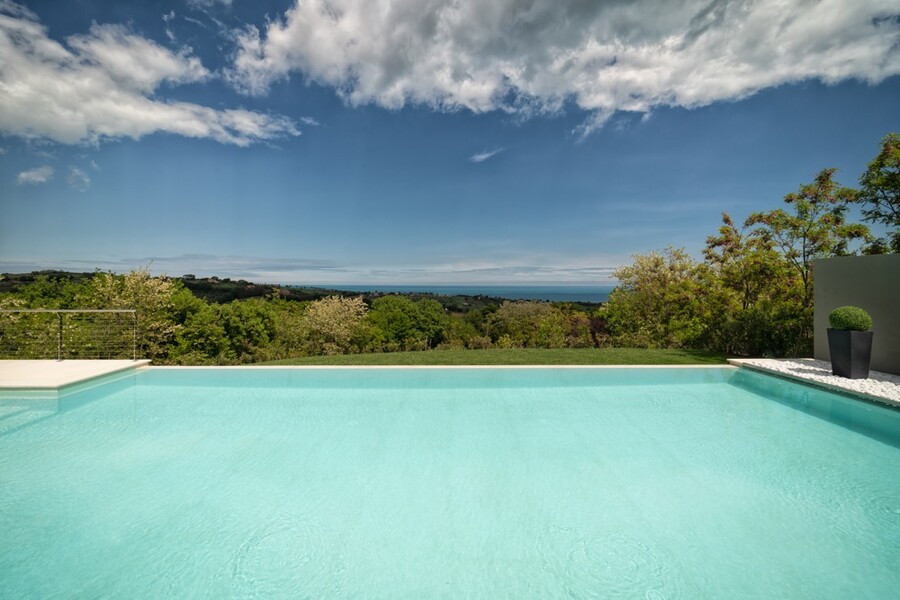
x=49 y=292
x=175 y=326
x=151 y=297
x=398 y=323
x=656 y=304
x=852 y=318
x=816 y=228
x=334 y=325
x=752 y=296
x=527 y=325
x=248 y=327
x=880 y=191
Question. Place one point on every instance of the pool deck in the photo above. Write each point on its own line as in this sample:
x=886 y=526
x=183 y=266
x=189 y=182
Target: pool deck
x=880 y=387
x=56 y=374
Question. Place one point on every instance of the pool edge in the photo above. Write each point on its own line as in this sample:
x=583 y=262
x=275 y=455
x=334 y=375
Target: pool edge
x=74 y=380
x=830 y=387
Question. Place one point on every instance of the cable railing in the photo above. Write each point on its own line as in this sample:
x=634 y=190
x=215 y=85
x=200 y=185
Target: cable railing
x=42 y=333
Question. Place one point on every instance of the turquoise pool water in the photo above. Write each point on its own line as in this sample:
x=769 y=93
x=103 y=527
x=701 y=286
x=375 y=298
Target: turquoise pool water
x=482 y=483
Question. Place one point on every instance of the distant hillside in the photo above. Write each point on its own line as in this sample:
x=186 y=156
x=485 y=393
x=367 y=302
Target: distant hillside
x=11 y=282
x=224 y=290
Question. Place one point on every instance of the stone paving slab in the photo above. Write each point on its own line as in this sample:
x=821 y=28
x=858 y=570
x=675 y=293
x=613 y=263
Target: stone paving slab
x=881 y=387
x=54 y=374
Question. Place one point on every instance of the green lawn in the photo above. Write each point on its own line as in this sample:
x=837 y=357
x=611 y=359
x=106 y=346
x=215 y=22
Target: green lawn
x=517 y=356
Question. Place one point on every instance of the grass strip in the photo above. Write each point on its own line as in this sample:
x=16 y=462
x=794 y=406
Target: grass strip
x=517 y=356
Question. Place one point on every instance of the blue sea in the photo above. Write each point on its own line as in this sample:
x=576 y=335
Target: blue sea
x=554 y=293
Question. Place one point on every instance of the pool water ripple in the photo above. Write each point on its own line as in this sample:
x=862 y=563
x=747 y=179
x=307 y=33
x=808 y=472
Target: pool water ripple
x=286 y=557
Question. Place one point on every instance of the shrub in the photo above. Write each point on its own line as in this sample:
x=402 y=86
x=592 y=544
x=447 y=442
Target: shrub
x=850 y=317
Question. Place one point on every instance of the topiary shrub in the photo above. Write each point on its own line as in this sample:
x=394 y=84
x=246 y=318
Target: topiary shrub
x=850 y=317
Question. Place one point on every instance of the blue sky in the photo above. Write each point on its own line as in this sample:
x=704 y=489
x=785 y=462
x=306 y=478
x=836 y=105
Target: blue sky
x=414 y=142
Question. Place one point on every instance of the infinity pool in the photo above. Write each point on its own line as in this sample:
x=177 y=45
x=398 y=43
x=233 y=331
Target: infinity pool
x=422 y=483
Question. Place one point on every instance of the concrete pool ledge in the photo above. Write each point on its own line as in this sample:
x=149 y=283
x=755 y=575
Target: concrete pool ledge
x=52 y=375
x=879 y=387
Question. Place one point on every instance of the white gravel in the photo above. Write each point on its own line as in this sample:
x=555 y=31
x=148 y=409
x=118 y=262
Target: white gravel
x=882 y=387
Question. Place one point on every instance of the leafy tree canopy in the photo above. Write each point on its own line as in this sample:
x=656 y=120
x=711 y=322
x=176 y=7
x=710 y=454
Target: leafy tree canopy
x=880 y=190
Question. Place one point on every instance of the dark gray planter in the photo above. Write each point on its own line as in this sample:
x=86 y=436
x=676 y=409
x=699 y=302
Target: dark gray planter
x=851 y=352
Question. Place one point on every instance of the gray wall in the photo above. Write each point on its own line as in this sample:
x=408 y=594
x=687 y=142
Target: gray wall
x=870 y=282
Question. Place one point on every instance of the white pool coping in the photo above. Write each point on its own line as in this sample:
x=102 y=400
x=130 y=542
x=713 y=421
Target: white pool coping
x=879 y=387
x=56 y=374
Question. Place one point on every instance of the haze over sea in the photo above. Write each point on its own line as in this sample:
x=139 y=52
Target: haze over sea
x=554 y=293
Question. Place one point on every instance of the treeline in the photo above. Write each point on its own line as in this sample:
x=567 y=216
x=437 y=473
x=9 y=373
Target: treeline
x=176 y=326
x=752 y=294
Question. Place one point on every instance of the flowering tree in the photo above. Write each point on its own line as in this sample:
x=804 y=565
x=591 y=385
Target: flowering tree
x=334 y=325
x=151 y=297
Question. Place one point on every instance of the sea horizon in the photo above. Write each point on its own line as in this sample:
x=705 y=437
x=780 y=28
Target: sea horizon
x=547 y=292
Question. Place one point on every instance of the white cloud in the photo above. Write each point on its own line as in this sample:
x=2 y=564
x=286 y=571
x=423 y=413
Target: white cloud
x=207 y=3
x=532 y=56
x=166 y=18
x=35 y=176
x=309 y=121
x=78 y=179
x=104 y=84
x=197 y=22
x=2 y=150
x=483 y=156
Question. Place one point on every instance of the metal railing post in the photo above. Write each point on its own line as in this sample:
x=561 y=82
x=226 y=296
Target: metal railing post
x=59 y=343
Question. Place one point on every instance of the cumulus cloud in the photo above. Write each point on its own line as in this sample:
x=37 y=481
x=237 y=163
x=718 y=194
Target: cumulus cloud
x=35 y=176
x=534 y=56
x=104 y=84
x=483 y=156
x=78 y=179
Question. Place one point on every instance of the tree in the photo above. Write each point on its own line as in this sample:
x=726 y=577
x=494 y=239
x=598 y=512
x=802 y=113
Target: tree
x=431 y=322
x=334 y=325
x=151 y=297
x=202 y=338
x=288 y=326
x=527 y=325
x=248 y=327
x=816 y=229
x=401 y=324
x=745 y=261
x=880 y=190
x=657 y=302
x=753 y=307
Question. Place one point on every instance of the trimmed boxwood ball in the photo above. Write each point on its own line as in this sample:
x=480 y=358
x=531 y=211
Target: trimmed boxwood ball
x=850 y=317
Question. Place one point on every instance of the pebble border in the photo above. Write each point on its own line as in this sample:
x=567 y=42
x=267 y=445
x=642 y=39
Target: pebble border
x=881 y=387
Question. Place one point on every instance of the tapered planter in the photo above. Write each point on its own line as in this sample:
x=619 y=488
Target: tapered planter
x=851 y=352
